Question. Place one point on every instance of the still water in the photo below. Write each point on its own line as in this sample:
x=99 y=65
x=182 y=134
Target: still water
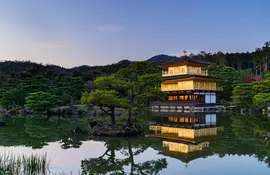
x=175 y=144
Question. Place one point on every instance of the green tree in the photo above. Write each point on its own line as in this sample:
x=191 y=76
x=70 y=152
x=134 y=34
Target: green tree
x=143 y=80
x=242 y=95
x=261 y=99
x=262 y=90
x=129 y=85
x=106 y=100
x=231 y=77
x=41 y=102
x=12 y=96
x=72 y=86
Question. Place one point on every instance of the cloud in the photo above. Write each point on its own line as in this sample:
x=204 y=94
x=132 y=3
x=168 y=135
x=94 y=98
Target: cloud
x=54 y=45
x=106 y=28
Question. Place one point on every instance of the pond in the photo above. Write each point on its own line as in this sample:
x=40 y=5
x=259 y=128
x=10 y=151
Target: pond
x=175 y=144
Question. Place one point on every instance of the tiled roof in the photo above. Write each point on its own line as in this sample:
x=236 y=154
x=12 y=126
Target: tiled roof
x=189 y=76
x=183 y=59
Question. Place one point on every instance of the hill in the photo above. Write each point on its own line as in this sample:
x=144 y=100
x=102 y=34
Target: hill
x=159 y=59
x=15 y=67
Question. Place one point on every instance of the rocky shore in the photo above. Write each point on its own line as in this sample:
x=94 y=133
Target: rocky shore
x=115 y=130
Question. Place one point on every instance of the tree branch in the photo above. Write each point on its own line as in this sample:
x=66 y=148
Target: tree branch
x=139 y=168
x=106 y=153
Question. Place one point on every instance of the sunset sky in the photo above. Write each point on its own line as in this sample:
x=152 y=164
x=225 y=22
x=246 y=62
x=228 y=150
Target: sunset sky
x=97 y=32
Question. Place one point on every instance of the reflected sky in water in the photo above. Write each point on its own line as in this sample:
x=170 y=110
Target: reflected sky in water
x=241 y=148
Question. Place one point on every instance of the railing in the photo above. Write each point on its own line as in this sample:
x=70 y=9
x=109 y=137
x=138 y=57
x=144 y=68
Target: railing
x=172 y=73
x=192 y=88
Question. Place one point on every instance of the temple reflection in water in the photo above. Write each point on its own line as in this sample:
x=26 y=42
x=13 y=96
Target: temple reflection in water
x=184 y=135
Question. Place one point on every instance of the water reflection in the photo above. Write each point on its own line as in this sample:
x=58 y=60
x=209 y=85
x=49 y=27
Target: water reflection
x=36 y=132
x=128 y=149
x=184 y=135
x=194 y=140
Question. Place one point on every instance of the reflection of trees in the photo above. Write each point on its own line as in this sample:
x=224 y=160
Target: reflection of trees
x=228 y=143
x=252 y=132
x=243 y=135
x=37 y=132
x=108 y=163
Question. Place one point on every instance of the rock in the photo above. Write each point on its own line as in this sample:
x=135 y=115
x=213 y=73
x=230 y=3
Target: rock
x=24 y=112
x=92 y=114
x=116 y=130
x=2 y=124
x=3 y=111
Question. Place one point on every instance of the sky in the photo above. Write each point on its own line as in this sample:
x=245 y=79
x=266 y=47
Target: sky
x=98 y=32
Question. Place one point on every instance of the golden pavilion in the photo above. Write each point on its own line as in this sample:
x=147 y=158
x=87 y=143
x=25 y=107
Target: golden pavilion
x=186 y=80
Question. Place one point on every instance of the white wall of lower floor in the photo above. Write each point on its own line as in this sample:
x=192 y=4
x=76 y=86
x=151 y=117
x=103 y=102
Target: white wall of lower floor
x=209 y=97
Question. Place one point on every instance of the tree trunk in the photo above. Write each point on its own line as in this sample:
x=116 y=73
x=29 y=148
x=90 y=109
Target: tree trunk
x=112 y=108
x=131 y=102
x=131 y=157
x=112 y=155
x=256 y=69
x=265 y=65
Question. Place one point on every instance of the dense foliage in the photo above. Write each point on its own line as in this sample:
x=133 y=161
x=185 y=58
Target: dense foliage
x=41 y=101
x=251 y=94
x=127 y=88
x=230 y=78
x=19 y=79
x=258 y=60
x=22 y=82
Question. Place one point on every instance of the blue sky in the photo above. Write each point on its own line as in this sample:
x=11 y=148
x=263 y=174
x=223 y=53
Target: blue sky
x=97 y=32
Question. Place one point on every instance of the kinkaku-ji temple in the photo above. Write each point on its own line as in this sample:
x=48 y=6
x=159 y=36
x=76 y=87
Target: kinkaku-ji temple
x=187 y=84
x=185 y=136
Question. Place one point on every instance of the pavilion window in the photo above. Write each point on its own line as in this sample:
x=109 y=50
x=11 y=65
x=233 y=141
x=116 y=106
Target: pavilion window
x=182 y=119
x=182 y=97
x=172 y=98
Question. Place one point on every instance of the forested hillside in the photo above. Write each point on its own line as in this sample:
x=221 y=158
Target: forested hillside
x=21 y=79
x=257 y=60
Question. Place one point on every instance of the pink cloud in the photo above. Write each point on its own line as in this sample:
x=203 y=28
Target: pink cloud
x=110 y=28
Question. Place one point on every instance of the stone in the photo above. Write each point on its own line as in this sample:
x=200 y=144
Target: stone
x=25 y=112
x=116 y=130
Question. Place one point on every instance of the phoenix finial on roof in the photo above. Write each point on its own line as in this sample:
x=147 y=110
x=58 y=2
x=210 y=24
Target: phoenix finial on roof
x=184 y=53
